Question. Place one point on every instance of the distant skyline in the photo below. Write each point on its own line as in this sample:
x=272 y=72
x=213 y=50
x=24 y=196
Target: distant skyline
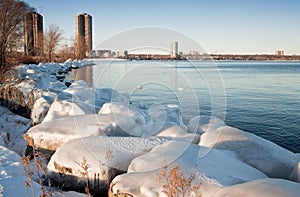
x=218 y=26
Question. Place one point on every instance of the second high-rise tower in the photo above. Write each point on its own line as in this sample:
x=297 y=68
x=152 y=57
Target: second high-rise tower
x=84 y=40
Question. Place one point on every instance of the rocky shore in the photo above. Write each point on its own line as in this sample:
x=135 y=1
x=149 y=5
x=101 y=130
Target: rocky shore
x=94 y=141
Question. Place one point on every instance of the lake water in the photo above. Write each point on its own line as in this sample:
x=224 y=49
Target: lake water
x=261 y=97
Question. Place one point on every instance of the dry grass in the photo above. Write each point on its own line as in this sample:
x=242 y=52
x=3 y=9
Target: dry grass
x=175 y=183
x=40 y=170
x=84 y=166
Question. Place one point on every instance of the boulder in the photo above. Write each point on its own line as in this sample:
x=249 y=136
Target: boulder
x=176 y=161
x=202 y=124
x=96 y=160
x=52 y=134
x=262 y=187
x=262 y=154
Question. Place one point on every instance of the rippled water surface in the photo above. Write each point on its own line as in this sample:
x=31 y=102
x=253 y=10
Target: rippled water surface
x=262 y=97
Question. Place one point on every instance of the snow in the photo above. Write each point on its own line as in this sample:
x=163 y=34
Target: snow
x=65 y=105
x=52 y=134
x=12 y=127
x=79 y=99
x=174 y=132
x=101 y=154
x=69 y=194
x=202 y=124
x=213 y=169
x=264 y=155
x=230 y=171
x=41 y=107
x=262 y=187
x=13 y=175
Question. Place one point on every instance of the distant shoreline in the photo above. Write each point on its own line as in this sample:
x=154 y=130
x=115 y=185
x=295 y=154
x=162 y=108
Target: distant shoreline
x=212 y=57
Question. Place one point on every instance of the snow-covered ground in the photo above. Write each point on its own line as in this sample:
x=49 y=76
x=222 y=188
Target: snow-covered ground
x=98 y=133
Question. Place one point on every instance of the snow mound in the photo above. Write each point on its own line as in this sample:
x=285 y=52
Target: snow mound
x=212 y=170
x=202 y=124
x=262 y=187
x=65 y=105
x=79 y=99
x=189 y=156
x=13 y=176
x=41 y=107
x=52 y=134
x=264 y=155
x=118 y=110
x=174 y=132
x=115 y=108
x=104 y=156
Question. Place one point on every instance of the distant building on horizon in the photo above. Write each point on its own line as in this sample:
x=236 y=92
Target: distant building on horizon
x=33 y=34
x=84 y=39
x=174 y=50
x=279 y=53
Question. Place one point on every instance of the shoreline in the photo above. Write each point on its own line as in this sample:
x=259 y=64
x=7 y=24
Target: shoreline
x=210 y=57
x=123 y=147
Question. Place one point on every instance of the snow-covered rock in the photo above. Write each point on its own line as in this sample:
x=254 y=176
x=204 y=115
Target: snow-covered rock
x=79 y=99
x=174 y=132
x=103 y=157
x=13 y=176
x=262 y=187
x=12 y=127
x=65 y=105
x=201 y=124
x=115 y=108
x=52 y=134
x=41 y=107
x=160 y=114
x=69 y=194
x=264 y=155
x=295 y=175
x=119 y=110
x=212 y=170
x=228 y=172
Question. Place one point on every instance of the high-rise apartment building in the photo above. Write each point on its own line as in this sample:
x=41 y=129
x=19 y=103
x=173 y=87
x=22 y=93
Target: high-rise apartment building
x=84 y=37
x=174 y=50
x=33 y=34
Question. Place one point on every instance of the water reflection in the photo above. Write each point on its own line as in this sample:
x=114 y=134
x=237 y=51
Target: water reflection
x=83 y=73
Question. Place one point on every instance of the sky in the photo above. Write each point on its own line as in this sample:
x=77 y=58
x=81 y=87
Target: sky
x=218 y=26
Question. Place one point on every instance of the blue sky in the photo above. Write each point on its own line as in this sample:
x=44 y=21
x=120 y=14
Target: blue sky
x=222 y=26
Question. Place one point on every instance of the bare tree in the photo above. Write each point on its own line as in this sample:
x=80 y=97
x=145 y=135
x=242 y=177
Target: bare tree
x=11 y=18
x=67 y=50
x=52 y=38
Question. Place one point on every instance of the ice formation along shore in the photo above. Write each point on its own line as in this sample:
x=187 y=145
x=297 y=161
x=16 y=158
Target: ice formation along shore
x=100 y=140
